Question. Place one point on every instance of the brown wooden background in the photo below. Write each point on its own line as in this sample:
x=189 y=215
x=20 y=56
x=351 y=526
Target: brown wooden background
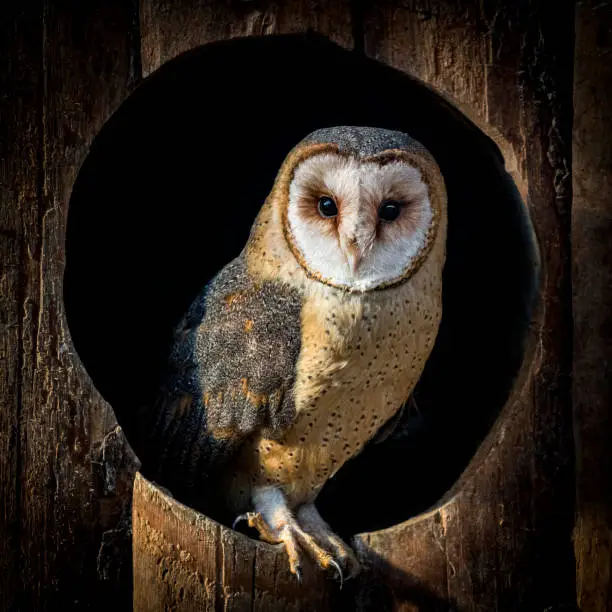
x=537 y=74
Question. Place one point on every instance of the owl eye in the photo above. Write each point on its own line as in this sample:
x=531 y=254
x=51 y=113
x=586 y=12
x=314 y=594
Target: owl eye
x=389 y=210
x=327 y=207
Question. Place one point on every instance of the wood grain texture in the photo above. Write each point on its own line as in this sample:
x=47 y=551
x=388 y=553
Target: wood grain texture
x=445 y=44
x=185 y=561
x=171 y=28
x=405 y=567
x=66 y=472
x=21 y=35
x=592 y=299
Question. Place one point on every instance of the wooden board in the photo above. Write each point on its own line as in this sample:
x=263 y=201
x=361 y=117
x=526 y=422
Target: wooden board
x=65 y=471
x=170 y=28
x=19 y=151
x=592 y=298
x=185 y=561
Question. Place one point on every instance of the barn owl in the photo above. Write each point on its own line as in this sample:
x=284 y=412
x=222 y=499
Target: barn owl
x=307 y=344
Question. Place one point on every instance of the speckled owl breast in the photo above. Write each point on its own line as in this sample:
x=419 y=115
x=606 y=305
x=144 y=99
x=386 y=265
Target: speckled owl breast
x=349 y=382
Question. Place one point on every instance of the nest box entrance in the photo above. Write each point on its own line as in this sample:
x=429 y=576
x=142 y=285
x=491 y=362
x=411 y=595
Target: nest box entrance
x=167 y=197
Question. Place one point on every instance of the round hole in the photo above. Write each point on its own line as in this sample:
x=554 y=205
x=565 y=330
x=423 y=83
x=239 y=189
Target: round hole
x=167 y=196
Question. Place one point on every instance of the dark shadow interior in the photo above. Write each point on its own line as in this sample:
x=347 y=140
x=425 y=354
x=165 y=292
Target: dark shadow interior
x=167 y=197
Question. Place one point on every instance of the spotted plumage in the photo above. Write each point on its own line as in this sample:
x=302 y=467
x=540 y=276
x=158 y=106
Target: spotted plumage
x=306 y=345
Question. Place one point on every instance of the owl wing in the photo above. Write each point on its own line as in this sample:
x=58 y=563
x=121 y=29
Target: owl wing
x=231 y=373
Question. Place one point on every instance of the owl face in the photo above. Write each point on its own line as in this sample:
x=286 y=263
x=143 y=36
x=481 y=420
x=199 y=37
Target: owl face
x=358 y=223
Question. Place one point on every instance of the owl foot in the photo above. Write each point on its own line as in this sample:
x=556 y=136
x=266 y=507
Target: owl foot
x=313 y=522
x=293 y=537
x=276 y=524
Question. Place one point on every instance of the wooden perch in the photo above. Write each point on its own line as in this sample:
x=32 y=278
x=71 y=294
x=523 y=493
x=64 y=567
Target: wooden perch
x=184 y=561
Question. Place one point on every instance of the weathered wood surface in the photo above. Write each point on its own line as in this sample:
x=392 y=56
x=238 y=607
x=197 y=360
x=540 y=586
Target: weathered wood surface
x=169 y=28
x=65 y=471
x=592 y=295
x=18 y=189
x=501 y=540
x=185 y=561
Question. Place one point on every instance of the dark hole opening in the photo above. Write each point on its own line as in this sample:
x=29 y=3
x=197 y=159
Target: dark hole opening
x=167 y=196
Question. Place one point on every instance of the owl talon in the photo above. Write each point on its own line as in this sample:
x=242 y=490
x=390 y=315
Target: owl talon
x=338 y=569
x=239 y=519
x=256 y=521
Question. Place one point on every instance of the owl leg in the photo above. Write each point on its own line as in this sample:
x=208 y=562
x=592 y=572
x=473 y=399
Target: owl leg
x=313 y=523
x=276 y=524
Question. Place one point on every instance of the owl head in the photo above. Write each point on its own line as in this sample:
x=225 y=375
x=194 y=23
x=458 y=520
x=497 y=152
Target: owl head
x=355 y=208
x=361 y=206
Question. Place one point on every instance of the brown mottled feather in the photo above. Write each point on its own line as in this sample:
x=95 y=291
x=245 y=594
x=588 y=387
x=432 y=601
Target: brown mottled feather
x=231 y=372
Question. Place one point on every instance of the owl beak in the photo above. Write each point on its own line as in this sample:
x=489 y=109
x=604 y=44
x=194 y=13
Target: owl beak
x=353 y=256
x=355 y=249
